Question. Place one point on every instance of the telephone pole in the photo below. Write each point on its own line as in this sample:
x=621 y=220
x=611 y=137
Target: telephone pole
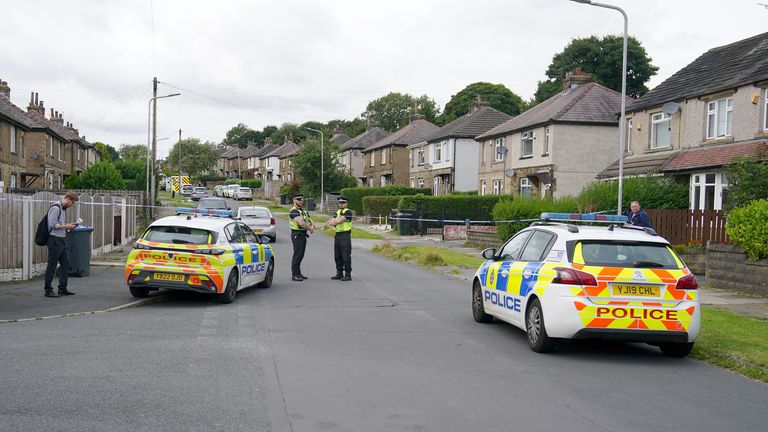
x=154 y=144
x=180 y=160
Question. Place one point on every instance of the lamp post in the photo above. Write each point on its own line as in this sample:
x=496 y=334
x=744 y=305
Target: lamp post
x=150 y=189
x=180 y=160
x=623 y=120
x=322 y=169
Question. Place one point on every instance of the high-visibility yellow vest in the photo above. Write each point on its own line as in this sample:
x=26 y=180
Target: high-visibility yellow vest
x=344 y=226
x=304 y=215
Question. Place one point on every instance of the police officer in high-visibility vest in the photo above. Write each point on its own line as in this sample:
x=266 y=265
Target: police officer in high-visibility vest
x=301 y=227
x=342 y=243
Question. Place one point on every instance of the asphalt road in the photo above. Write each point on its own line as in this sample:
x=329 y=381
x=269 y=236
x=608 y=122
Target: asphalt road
x=394 y=349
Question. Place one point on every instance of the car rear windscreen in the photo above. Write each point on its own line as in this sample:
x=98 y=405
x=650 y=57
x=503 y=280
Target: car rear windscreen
x=254 y=213
x=622 y=254
x=212 y=204
x=179 y=235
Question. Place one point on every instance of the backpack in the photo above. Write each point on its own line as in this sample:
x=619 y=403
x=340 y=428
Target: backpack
x=42 y=233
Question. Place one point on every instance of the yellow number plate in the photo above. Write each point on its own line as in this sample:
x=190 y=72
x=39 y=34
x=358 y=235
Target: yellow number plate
x=258 y=230
x=168 y=277
x=635 y=290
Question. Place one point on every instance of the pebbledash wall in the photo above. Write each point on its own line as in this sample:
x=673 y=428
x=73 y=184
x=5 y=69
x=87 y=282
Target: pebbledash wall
x=728 y=267
x=113 y=215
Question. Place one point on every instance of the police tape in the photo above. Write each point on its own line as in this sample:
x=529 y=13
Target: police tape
x=470 y=221
x=120 y=204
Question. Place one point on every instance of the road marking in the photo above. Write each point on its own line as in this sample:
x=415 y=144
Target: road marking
x=138 y=303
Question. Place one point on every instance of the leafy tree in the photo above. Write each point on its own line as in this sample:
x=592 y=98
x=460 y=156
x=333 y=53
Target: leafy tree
x=497 y=95
x=72 y=182
x=241 y=135
x=393 y=111
x=299 y=134
x=747 y=180
x=601 y=57
x=107 y=151
x=306 y=164
x=132 y=152
x=101 y=175
x=196 y=157
x=131 y=168
x=351 y=128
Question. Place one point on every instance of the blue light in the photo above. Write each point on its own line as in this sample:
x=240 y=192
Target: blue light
x=585 y=217
x=208 y=212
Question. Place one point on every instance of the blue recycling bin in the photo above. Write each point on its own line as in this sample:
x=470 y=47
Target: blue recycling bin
x=79 y=251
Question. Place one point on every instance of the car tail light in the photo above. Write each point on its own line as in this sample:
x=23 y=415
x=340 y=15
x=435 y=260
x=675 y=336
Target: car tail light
x=131 y=278
x=272 y=221
x=211 y=251
x=569 y=276
x=211 y=285
x=687 y=282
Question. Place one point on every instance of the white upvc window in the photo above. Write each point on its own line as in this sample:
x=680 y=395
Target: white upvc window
x=547 y=140
x=628 y=142
x=373 y=157
x=413 y=182
x=50 y=151
x=498 y=187
x=384 y=156
x=383 y=180
x=500 y=149
x=13 y=139
x=660 y=131
x=526 y=188
x=411 y=158
x=78 y=155
x=370 y=181
x=719 y=118
x=421 y=155
x=13 y=181
x=436 y=186
x=709 y=191
x=526 y=144
x=765 y=111
x=483 y=188
x=439 y=152
x=421 y=182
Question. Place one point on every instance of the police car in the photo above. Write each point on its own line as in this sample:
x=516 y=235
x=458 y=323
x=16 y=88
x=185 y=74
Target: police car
x=559 y=280
x=204 y=251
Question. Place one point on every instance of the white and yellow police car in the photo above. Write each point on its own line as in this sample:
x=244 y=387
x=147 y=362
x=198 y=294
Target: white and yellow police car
x=205 y=251
x=559 y=280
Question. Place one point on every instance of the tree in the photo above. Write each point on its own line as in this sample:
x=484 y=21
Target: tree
x=306 y=164
x=393 y=111
x=241 y=135
x=133 y=152
x=601 y=57
x=107 y=151
x=297 y=132
x=196 y=157
x=497 y=95
x=747 y=180
x=101 y=175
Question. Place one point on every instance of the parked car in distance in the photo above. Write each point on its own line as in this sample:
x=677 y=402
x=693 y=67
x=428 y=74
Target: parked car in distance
x=260 y=220
x=229 y=190
x=212 y=204
x=243 y=193
x=217 y=190
x=186 y=190
x=198 y=193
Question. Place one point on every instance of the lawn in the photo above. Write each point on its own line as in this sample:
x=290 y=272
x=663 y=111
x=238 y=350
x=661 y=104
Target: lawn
x=356 y=232
x=734 y=341
x=428 y=256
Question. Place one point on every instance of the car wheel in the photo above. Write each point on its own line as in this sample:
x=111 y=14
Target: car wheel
x=268 y=275
x=478 y=310
x=139 y=292
x=676 y=349
x=273 y=239
x=230 y=292
x=536 y=330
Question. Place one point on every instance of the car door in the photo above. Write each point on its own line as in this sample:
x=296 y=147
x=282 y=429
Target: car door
x=530 y=263
x=496 y=298
x=257 y=252
x=236 y=241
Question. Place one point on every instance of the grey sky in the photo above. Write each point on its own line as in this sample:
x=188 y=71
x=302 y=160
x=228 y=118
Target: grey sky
x=269 y=62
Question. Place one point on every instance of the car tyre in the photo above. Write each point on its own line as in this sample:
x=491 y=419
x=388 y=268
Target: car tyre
x=536 y=330
x=139 y=292
x=676 y=349
x=268 y=275
x=230 y=292
x=478 y=310
x=273 y=239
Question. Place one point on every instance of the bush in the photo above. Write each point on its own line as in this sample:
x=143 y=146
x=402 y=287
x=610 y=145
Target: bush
x=253 y=184
x=290 y=188
x=527 y=208
x=355 y=195
x=379 y=205
x=748 y=228
x=652 y=193
x=101 y=175
x=457 y=207
x=747 y=180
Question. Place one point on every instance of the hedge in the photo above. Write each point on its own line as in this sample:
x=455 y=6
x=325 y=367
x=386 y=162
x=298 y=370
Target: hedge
x=355 y=195
x=527 y=208
x=380 y=205
x=653 y=192
x=748 y=228
x=453 y=206
x=253 y=184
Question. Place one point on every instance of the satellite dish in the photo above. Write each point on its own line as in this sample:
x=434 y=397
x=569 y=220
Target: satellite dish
x=670 y=108
x=427 y=165
x=509 y=172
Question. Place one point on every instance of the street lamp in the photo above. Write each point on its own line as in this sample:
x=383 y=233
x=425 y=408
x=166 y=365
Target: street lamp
x=150 y=190
x=322 y=169
x=623 y=121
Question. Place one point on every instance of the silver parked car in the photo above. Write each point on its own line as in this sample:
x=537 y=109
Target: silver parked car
x=229 y=190
x=243 y=193
x=260 y=219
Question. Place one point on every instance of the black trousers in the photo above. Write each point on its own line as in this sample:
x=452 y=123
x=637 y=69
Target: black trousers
x=299 y=240
x=342 y=252
x=57 y=254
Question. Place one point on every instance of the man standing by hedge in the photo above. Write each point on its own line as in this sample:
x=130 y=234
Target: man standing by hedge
x=639 y=217
x=301 y=226
x=342 y=242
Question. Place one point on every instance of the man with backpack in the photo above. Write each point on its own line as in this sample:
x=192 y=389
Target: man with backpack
x=57 y=245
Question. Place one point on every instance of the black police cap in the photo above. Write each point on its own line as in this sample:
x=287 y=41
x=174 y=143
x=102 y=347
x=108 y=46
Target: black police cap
x=298 y=196
x=342 y=199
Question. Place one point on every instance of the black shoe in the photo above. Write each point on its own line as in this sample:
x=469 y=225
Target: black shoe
x=297 y=278
x=347 y=278
x=303 y=277
x=50 y=293
x=65 y=293
x=337 y=277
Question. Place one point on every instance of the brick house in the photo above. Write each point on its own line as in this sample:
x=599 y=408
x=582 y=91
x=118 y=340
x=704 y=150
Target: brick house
x=387 y=161
x=350 y=155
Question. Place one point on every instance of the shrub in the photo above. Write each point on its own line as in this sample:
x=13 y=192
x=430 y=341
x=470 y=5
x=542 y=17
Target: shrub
x=290 y=188
x=747 y=180
x=458 y=207
x=652 y=192
x=748 y=228
x=379 y=205
x=101 y=175
x=355 y=195
x=527 y=208
x=253 y=184
x=431 y=259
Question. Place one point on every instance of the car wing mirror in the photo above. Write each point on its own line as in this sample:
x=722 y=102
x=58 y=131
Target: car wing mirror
x=264 y=240
x=489 y=253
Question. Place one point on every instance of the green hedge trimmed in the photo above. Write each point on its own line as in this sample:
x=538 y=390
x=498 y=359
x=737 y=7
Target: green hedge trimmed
x=253 y=184
x=379 y=205
x=453 y=206
x=748 y=228
x=355 y=195
x=527 y=208
x=652 y=192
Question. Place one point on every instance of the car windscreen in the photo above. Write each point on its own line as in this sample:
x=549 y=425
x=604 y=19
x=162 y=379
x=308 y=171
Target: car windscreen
x=254 y=213
x=199 y=189
x=630 y=254
x=212 y=204
x=244 y=190
x=179 y=235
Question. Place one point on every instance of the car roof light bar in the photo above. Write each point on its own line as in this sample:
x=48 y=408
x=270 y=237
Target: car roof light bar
x=583 y=217
x=205 y=212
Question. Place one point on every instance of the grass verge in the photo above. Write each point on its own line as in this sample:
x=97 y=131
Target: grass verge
x=733 y=341
x=428 y=256
x=356 y=232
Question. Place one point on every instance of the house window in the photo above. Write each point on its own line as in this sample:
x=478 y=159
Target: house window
x=709 y=191
x=373 y=157
x=526 y=144
x=500 y=149
x=628 y=142
x=421 y=183
x=526 y=188
x=438 y=152
x=660 y=131
x=78 y=155
x=383 y=180
x=13 y=182
x=370 y=181
x=719 y=118
x=13 y=139
x=498 y=187
x=547 y=137
x=384 y=156
x=765 y=112
x=421 y=155
x=50 y=150
x=410 y=158
x=483 y=188
x=413 y=182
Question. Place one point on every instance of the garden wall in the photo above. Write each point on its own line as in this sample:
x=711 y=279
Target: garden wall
x=728 y=267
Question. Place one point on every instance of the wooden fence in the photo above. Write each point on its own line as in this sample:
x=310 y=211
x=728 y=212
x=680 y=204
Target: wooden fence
x=684 y=226
x=113 y=215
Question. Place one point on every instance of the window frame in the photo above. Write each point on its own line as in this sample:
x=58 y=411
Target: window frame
x=525 y=138
x=524 y=235
x=420 y=154
x=713 y=112
x=373 y=158
x=499 y=146
x=384 y=156
x=664 y=118
x=765 y=110
x=628 y=138
x=525 y=183
x=483 y=187
x=12 y=137
x=544 y=251
x=547 y=140
x=438 y=152
x=498 y=187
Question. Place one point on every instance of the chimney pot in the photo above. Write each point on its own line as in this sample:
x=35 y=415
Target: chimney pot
x=36 y=95
x=52 y=113
x=31 y=98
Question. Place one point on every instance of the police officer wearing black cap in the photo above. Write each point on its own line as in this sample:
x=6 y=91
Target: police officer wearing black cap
x=342 y=243
x=301 y=226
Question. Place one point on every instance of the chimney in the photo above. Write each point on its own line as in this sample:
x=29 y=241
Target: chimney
x=477 y=104
x=57 y=117
x=5 y=91
x=574 y=79
x=338 y=130
x=267 y=141
x=416 y=115
x=34 y=105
